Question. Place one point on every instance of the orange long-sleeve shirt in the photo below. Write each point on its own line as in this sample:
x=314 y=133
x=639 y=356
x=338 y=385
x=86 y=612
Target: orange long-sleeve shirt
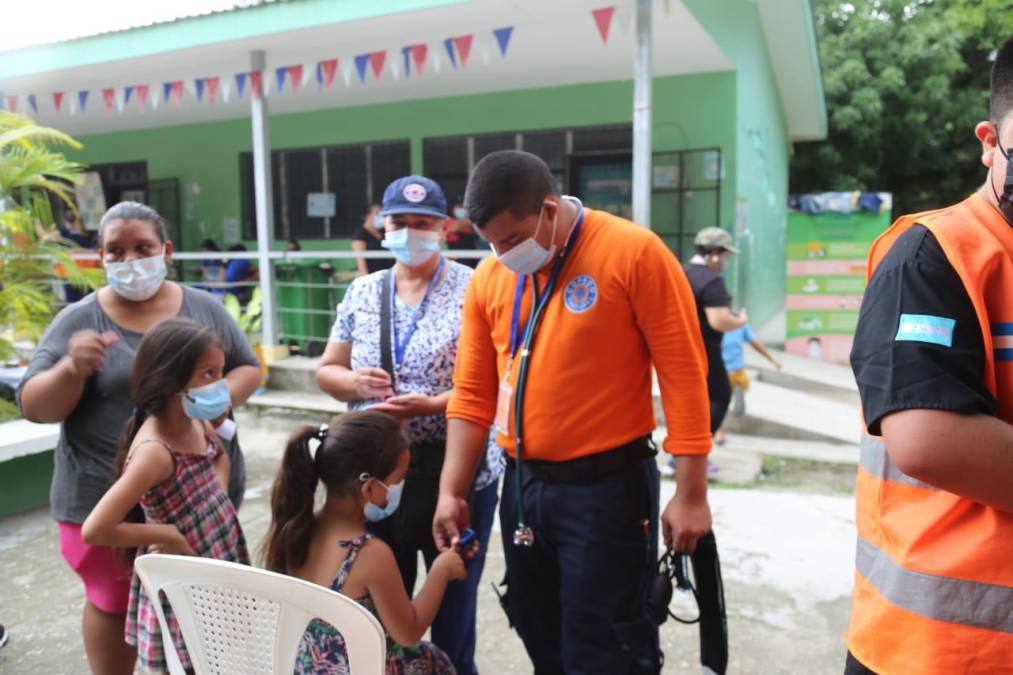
x=621 y=302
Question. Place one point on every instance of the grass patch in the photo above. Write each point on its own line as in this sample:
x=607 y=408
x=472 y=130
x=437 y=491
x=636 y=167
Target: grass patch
x=8 y=411
x=806 y=475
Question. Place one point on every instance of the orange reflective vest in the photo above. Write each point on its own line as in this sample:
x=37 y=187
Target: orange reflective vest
x=934 y=578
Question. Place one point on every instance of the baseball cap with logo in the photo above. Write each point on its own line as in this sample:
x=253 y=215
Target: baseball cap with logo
x=414 y=194
x=715 y=237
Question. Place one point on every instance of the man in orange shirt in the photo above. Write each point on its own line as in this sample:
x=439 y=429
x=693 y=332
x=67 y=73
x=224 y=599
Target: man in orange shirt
x=567 y=382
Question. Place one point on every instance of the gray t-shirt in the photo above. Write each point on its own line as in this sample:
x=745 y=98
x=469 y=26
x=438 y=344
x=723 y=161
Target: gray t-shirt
x=86 y=452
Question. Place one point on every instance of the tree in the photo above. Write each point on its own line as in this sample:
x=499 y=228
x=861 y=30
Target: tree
x=905 y=82
x=31 y=175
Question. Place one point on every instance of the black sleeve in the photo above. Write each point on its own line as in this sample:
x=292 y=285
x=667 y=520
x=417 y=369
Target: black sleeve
x=715 y=293
x=360 y=234
x=898 y=369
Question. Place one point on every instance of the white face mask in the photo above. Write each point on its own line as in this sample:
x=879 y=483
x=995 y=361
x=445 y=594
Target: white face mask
x=137 y=280
x=529 y=256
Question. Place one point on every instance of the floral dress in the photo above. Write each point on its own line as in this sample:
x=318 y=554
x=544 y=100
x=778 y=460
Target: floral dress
x=322 y=649
x=194 y=501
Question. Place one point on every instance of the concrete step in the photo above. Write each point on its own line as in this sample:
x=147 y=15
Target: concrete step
x=826 y=380
x=836 y=453
x=301 y=401
x=295 y=373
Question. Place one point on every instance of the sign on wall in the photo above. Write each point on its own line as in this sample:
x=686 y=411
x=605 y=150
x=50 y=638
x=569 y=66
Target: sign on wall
x=321 y=204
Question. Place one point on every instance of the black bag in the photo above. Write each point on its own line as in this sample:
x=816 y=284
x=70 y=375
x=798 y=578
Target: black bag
x=413 y=520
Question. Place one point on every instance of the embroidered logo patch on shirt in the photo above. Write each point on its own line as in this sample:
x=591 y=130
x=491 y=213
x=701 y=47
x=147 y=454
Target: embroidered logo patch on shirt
x=581 y=294
x=935 y=330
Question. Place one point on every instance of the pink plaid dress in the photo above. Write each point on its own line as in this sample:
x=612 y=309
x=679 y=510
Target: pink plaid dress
x=194 y=501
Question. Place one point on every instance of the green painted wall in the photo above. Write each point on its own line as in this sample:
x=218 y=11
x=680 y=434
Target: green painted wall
x=690 y=111
x=762 y=153
x=25 y=482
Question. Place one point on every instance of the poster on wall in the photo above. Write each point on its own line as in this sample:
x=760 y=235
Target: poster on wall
x=826 y=273
x=321 y=204
x=91 y=200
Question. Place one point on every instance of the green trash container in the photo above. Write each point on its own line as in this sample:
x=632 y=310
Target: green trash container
x=305 y=304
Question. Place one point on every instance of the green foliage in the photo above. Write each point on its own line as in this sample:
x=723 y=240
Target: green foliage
x=906 y=81
x=30 y=172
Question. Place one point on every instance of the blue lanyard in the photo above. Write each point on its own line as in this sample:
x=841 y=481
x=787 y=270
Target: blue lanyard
x=538 y=303
x=401 y=346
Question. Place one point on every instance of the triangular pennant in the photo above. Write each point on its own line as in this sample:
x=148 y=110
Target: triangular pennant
x=212 y=84
x=624 y=16
x=256 y=83
x=295 y=74
x=377 y=59
x=155 y=100
x=361 y=63
x=177 y=92
x=240 y=84
x=82 y=99
x=346 y=74
x=72 y=108
x=329 y=68
x=127 y=93
x=603 y=19
x=57 y=100
x=109 y=98
x=406 y=55
x=279 y=74
x=120 y=104
x=12 y=103
x=394 y=70
x=448 y=44
x=305 y=75
x=166 y=91
x=33 y=103
x=463 y=45
x=320 y=76
x=142 y=96
x=436 y=61
x=226 y=90
x=483 y=48
x=503 y=36
x=419 y=57
x=200 y=89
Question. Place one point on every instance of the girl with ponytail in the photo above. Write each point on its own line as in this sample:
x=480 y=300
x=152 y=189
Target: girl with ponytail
x=171 y=464
x=361 y=459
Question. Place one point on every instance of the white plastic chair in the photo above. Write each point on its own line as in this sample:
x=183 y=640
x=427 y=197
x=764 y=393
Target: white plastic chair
x=240 y=620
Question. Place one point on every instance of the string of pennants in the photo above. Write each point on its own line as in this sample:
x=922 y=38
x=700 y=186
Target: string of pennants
x=367 y=67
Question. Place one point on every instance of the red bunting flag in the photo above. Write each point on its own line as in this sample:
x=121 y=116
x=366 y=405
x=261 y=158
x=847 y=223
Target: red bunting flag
x=329 y=68
x=12 y=103
x=603 y=19
x=109 y=96
x=177 y=92
x=376 y=60
x=212 y=85
x=419 y=56
x=463 y=45
x=142 y=96
x=295 y=74
x=57 y=100
x=255 y=82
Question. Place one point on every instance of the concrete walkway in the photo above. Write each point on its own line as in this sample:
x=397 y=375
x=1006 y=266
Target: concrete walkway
x=787 y=561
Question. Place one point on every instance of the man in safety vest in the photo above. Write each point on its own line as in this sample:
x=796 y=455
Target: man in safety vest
x=933 y=357
x=566 y=380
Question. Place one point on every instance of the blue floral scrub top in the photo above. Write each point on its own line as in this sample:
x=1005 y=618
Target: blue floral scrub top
x=428 y=366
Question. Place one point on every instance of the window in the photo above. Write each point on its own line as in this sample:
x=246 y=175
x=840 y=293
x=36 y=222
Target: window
x=685 y=196
x=446 y=162
x=355 y=174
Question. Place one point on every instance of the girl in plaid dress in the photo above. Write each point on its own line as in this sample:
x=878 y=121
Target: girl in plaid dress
x=361 y=459
x=172 y=466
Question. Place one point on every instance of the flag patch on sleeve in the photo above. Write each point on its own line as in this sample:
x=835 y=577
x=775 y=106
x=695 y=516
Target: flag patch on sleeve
x=935 y=330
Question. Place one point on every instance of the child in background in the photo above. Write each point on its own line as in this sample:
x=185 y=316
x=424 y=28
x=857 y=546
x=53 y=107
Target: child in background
x=171 y=462
x=733 y=354
x=361 y=459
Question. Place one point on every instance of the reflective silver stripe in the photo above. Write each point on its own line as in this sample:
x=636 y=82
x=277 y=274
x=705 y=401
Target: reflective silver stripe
x=970 y=603
x=876 y=461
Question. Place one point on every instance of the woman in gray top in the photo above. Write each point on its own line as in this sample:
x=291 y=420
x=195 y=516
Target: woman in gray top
x=79 y=377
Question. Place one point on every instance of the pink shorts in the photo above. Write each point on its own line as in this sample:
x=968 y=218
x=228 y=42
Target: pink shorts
x=106 y=579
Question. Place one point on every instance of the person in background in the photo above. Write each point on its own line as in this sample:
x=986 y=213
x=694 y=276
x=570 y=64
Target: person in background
x=426 y=293
x=713 y=305
x=368 y=237
x=212 y=269
x=362 y=459
x=79 y=377
x=74 y=231
x=293 y=245
x=461 y=236
x=734 y=358
x=237 y=271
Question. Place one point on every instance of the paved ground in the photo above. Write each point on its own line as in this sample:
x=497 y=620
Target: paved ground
x=787 y=559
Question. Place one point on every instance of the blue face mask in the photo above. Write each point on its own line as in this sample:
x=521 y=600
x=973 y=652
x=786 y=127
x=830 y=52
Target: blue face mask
x=208 y=402
x=412 y=247
x=378 y=221
x=375 y=513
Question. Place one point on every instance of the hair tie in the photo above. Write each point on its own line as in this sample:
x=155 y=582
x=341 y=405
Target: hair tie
x=321 y=434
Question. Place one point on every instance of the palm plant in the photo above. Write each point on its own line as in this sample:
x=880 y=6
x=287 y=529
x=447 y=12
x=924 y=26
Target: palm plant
x=31 y=172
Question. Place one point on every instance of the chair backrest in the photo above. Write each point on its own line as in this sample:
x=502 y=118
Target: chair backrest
x=240 y=620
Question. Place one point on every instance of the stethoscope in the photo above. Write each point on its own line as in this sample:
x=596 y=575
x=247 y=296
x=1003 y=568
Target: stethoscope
x=523 y=534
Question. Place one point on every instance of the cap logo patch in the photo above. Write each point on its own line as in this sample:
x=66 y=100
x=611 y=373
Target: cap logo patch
x=414 y=193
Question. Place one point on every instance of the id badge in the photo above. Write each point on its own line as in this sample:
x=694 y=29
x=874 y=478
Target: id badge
x=503 y=404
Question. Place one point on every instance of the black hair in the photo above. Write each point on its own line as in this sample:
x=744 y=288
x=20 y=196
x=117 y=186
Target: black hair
x=210 y=244
x=237 y=247
x=1001 y=98
x=133 y=211
x=709 y=250
x=353 y=444
x=292 y=241
x=508 y=180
